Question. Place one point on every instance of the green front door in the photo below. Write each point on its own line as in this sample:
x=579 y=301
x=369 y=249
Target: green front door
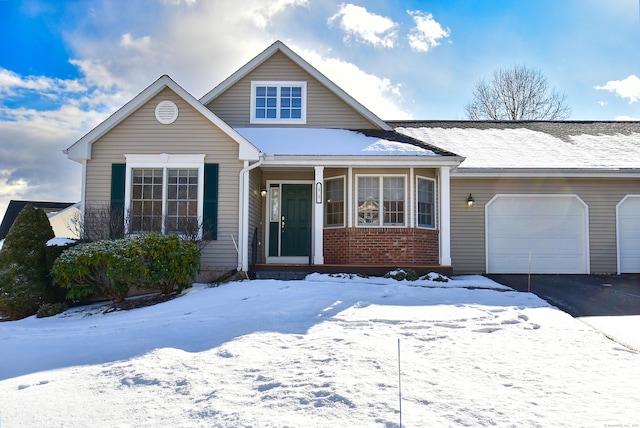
x=295 y=226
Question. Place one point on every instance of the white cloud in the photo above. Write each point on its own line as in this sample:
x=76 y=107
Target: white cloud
x=427 y=32
x=262 y=12
x=626 y=88
x=11 y=82
x=377 y=94
x=364 y=26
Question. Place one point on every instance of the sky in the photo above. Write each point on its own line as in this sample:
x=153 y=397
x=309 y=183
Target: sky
x=66 y=65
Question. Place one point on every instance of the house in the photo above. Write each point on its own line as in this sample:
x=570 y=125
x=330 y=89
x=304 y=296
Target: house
x=60 y=215
x=549 y=197
x=279 y=169
x=281 y=166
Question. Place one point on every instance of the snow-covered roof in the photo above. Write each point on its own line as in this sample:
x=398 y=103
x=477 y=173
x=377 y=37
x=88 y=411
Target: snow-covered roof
x=534 y=145
x=338 y=142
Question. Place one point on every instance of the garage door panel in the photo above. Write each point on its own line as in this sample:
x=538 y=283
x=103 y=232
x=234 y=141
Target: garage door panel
x=552 y=228
x=628 y=212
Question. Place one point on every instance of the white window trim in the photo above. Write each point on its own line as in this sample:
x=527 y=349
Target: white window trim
x=344 y=203
x=435 y=203
x=381 y=200
x=164 y=161
x=279 y=84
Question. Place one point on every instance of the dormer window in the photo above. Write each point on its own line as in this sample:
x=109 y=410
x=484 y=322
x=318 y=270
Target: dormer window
x=278 y=102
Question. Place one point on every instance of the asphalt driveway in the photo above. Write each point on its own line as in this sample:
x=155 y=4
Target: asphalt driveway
x=582 y=295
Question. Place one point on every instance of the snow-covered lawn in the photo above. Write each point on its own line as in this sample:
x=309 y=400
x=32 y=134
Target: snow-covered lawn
x=321 y=352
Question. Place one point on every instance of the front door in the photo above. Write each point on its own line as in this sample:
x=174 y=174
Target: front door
x=295 y=227
x=290 y=226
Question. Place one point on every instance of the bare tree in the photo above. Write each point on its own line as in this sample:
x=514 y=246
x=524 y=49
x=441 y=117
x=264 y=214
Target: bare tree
x=516 y=93
x=100 y=221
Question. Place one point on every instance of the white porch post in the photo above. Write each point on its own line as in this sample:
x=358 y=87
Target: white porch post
x=445 y=217
x=318 y=216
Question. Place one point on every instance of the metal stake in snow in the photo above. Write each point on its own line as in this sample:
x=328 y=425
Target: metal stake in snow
x=529 y=278
x=399 y=384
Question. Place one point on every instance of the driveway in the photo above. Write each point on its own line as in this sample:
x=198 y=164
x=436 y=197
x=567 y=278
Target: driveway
x=582 y=295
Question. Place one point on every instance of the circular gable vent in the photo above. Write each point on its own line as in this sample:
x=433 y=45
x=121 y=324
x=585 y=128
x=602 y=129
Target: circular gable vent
x=166 y=112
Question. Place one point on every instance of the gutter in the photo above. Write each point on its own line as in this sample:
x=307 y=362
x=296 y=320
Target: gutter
x=243 y=226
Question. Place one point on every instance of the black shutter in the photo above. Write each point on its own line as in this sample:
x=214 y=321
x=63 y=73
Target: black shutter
x=210 y=214
x=116 y=226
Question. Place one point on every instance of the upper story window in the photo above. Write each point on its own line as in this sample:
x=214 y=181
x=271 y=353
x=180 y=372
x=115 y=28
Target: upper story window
x=278 y=102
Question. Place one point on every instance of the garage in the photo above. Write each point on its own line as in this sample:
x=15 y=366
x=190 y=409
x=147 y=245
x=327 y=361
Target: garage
x=628 y=231
x=537 y=234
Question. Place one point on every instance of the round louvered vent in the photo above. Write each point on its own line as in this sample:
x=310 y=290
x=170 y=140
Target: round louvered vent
x=166 y=112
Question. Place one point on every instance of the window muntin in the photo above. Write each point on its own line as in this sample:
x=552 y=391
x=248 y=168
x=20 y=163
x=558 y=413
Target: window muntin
x=164 y=200
x=426 y=203
x=166 y=193
x=278 y=102
x=146 y=200
x=381 y=200
x=182 y=200
x=334 y=202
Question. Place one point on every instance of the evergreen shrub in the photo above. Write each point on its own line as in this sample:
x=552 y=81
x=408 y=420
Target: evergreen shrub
x=25 y=283
x=97 y=268
x=112 y=267
x=170 y=263
x=403 y=274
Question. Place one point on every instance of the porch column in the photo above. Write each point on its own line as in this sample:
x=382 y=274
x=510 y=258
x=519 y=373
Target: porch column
x=318 y=216
x=445 y=216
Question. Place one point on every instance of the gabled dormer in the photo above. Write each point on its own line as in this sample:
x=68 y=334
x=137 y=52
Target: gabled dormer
x=279 y=88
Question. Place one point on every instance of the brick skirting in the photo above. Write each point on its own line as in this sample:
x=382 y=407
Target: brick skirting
x=381 y=246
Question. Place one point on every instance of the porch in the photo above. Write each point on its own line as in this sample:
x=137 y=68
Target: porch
x=299 y=271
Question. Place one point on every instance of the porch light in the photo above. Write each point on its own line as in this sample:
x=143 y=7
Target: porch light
x=318 y=192
x=470 y=201
x=263 y=192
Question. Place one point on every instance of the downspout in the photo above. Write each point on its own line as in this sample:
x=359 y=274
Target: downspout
x=243 y=226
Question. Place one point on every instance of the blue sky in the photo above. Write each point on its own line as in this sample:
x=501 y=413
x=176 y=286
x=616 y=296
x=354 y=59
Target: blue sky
x=66 y=65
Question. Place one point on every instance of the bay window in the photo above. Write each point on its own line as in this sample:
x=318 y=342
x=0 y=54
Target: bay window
x=381 y=200
x=426 y=203
x=334 y=202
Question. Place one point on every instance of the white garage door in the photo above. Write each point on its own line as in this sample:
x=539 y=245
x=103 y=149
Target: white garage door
x=544 y=233
x=628 y=212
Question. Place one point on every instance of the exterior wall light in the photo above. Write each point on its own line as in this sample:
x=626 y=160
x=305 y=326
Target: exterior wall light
x=263 y=192
x=470 y=201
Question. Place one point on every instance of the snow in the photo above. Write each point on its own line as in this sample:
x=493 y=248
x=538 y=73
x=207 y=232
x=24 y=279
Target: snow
x=526 y=148
x=319 y=352
x=60 y=242
x=317 y=141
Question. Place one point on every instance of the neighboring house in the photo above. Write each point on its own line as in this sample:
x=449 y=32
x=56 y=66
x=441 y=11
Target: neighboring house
x=60 y=215
x=286 y=171
x=549 y=197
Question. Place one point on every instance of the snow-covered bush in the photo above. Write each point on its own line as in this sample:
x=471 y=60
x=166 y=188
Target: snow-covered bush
x=112 y=267
x=170 y=263
x=436 y=277
x=402 y=275
x=97 y=268
x=24 y=268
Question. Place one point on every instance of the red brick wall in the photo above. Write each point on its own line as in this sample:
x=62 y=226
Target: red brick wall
x=381 y=246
